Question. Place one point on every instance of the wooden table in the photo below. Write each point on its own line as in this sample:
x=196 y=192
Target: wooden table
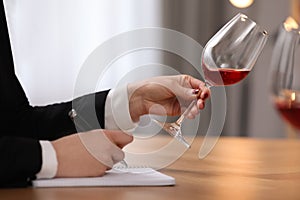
x=237 y=168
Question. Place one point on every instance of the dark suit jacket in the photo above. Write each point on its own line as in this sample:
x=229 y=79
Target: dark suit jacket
x=22 y=126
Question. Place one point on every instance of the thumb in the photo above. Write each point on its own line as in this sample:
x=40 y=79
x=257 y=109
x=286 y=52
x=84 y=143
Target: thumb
x=118 y=137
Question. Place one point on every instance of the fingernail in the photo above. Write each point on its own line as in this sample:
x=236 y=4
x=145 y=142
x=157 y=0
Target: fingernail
x=205 y=96
x=196 y=91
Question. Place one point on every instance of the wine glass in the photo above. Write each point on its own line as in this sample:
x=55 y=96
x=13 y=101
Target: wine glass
x=227 y=58
x=285 y=74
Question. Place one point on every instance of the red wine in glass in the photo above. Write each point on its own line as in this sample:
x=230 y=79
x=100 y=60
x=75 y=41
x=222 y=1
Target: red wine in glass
x=288 y=106
x=224 y=76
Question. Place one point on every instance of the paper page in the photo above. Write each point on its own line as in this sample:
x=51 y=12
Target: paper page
x=114 y=177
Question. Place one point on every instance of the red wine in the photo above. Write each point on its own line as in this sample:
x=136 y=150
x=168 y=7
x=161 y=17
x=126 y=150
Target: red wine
x=224 y=76
x=288 y=105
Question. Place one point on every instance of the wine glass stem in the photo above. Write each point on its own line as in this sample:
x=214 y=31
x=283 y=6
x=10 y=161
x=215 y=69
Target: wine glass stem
x=186 y=112
x=189 y=108
x=208 y=85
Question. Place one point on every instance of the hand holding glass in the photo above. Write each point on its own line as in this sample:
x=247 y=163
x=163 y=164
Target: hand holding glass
x=227 y=58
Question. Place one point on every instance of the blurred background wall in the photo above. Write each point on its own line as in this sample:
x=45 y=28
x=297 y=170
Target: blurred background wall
x=47 y=63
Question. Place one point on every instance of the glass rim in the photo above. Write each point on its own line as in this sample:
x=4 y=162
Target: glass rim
x=244 y=17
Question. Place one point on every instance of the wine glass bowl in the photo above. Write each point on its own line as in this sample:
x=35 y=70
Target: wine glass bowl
x=285 y=73
x=227 y=58
x=230 y=54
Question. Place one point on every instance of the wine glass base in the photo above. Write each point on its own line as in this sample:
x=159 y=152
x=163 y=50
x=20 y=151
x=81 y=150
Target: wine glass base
x=174 y=130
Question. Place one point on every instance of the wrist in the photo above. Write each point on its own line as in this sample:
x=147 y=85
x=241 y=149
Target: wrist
x=55 y=145
x=49 y=160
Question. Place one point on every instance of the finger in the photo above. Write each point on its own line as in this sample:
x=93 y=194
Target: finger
x=190 y=116
x=187 y=94
x=119 y=138
x=118 y=156
x=200 y=89
x=205 y=92
x=192 y=112
x=113 y=155
x=200 y=104
x=107 y=159
x=188 y=88
x=99 y=145
x=196 y=83
x=195 y=111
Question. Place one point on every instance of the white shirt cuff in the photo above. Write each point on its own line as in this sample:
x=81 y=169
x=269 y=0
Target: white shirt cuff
x=117 y=115
x=49 y=161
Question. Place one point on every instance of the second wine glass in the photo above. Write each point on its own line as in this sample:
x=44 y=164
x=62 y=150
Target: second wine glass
x=227 y=58
x=285 y=70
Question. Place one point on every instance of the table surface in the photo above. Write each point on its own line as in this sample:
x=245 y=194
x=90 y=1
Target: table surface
x=237 y=168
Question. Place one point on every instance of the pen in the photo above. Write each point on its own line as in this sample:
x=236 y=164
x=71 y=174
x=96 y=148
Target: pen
x=74 y=116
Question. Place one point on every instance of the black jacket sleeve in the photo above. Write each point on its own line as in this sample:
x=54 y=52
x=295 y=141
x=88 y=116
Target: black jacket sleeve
x=22 y=126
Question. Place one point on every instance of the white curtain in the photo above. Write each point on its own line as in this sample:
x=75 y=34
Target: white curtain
x=52 y=38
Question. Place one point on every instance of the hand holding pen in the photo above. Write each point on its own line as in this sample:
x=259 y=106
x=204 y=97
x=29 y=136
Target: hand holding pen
x=90 y=142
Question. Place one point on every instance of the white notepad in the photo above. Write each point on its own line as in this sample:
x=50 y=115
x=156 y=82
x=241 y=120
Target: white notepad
x=114 y=177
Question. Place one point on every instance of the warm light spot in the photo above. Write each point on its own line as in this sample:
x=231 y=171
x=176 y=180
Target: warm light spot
x=293 y=96
x=290 y=24
x=241 y=3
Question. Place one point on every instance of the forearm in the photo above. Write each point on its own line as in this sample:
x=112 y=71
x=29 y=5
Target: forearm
x=53 y=121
